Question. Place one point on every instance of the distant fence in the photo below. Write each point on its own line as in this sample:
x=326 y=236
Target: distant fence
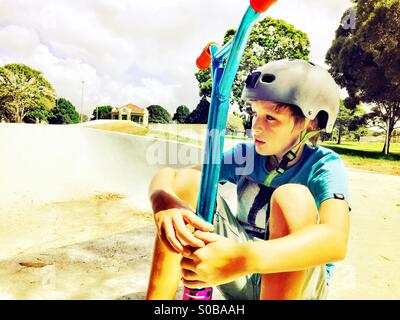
x=194 y=131
x=380 y=139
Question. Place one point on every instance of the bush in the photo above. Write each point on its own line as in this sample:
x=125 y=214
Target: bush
x=158 y=114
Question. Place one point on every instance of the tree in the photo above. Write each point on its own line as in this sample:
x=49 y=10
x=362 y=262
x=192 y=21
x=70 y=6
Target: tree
x=158 y=114
x=385 y=115
x=349 y=119
x=200 y=114
x=342 y=121
x=23 y=89
x=181 y=114
x=234 y=123
x=83 y=117
x=102 y=112
x=357 y=134
x=270 y=39
x=63 y=113
x=366 y=60
x=36 y=115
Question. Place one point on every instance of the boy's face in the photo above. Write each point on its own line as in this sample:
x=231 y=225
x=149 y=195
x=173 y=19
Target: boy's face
x=274 y=131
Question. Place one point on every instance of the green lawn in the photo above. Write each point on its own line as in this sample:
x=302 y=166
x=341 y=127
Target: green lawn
x=368 y=156
x=366 y=146
x=362 y=155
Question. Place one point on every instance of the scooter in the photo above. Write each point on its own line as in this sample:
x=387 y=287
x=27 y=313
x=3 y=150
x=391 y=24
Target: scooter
x=224 y=64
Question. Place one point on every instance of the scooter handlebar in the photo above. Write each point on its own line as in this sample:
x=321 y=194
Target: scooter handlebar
x=261 y=5
x=203 y=62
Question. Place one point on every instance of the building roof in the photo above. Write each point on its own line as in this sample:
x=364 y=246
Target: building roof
x=132 y=107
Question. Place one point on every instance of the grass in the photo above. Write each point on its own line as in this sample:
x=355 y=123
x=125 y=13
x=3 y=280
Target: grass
x=361 y=155
x=368 y=156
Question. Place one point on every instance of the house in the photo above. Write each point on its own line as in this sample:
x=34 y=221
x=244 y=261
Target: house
x=131 y=112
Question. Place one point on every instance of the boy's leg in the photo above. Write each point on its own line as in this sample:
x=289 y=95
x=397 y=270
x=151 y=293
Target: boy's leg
x=226 y=224
x=165 y=273
x=292 y=208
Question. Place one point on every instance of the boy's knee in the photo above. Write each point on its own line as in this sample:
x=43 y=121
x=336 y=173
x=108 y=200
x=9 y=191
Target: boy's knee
x=187 y=185
x=292 y=192
x=292 y=208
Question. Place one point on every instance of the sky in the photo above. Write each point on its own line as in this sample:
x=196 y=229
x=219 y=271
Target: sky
x=143 y=52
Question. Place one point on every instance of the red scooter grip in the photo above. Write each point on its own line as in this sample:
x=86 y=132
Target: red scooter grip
x=261 y=5
x=203 y=62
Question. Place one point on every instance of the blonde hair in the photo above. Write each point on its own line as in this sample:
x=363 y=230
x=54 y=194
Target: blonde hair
x=300 y=120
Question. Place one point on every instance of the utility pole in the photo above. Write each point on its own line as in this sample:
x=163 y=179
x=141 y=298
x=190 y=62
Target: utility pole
x=83 y=86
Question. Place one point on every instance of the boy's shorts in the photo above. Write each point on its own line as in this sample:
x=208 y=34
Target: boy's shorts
x=248 y=288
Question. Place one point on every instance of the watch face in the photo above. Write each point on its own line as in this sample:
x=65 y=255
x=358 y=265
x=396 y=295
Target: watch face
x=338 y=196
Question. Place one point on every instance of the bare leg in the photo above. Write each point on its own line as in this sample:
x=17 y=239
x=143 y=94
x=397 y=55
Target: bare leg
x=165 y=271
x=292 y=209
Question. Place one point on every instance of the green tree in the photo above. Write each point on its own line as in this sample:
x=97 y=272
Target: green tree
x=181 y=114
x=23 y=89
x=158 y=114
x=385 y=115
x=357 y=134
x=349 y=120
x=200 y=114
x=366 y=60
x=83 y=117
x=63 y=113
x=342 y=121
x=234 y=124
x=39 y=114
x=101 y=112
x=270 y=39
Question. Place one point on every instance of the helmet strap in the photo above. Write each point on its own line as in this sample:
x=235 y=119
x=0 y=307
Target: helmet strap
x=290 y=155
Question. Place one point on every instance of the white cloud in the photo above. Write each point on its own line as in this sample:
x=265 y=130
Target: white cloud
x=137 y=51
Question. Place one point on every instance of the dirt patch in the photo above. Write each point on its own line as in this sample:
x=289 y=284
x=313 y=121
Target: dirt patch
x=57 y=224
x=33 y=264
x=109 y=196
x=106 y=268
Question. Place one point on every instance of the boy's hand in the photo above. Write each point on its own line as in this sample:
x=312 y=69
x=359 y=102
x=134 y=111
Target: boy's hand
x=220 y=261
x=176 y=226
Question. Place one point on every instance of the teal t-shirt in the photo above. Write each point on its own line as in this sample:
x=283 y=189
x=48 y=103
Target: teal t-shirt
x=319 y=169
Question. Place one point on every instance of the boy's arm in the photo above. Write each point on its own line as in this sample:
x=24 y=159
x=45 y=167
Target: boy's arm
x=173 y=197
x=312 y=246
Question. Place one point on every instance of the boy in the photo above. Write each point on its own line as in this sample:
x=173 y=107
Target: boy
x=292 y=218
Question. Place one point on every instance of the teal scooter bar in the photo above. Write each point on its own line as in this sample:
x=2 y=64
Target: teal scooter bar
x=223 y=75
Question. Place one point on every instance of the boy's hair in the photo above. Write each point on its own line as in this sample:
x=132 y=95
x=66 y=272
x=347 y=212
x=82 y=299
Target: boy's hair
x=299 y=118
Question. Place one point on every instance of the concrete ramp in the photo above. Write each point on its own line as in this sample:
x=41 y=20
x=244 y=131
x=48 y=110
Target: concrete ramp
x=75 y=220
x=65 y=189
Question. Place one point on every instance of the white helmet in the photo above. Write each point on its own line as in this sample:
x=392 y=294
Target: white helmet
x=297 y=82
